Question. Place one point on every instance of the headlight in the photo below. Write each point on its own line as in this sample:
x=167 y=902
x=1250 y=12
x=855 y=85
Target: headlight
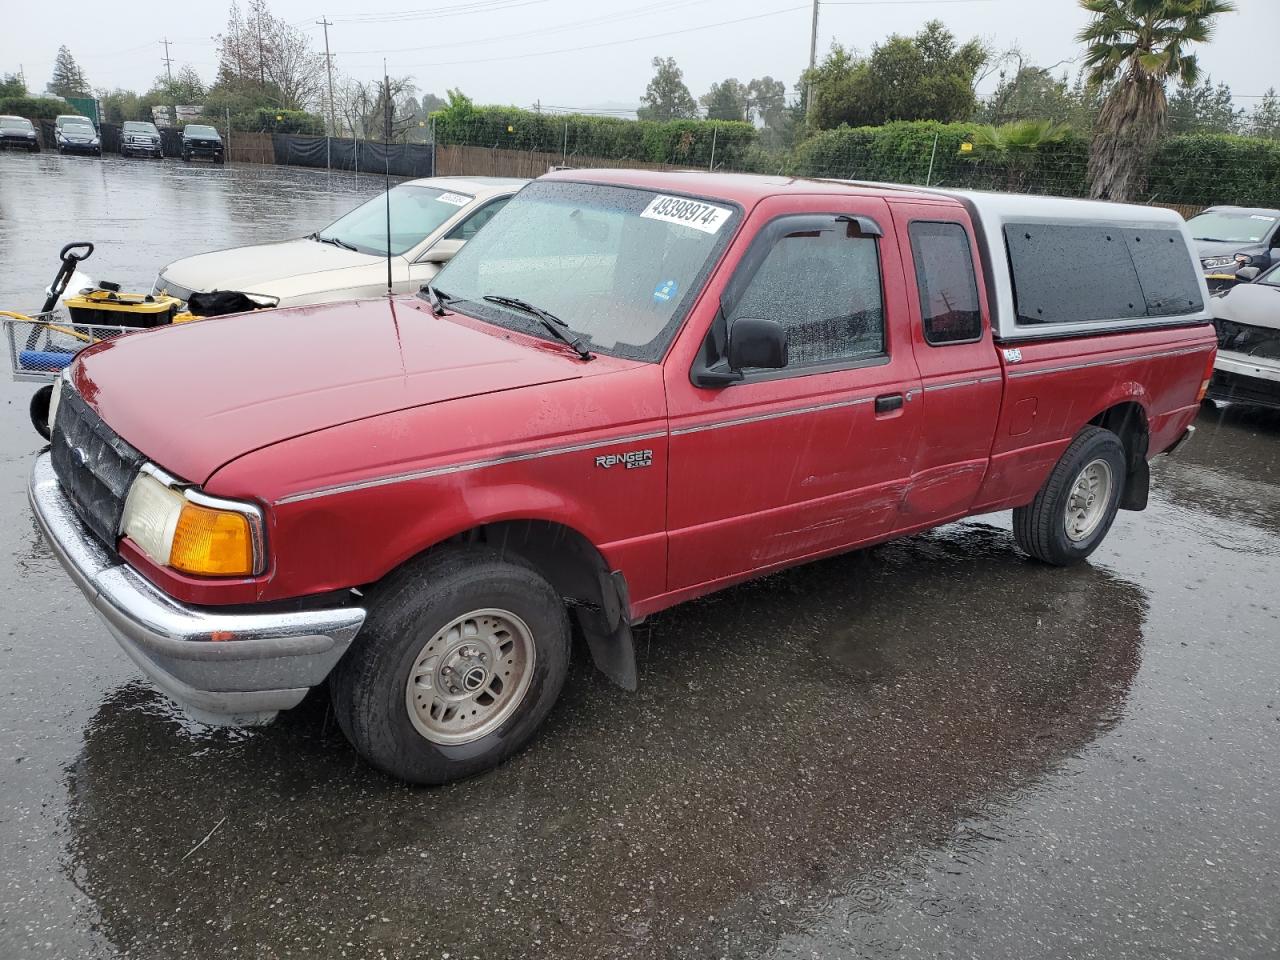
x=93 y=142
x=189 y=531
x=1210 y=263
x=53 y=403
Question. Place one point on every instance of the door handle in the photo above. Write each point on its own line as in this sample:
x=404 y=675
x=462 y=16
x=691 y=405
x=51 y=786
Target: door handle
x=888 y=402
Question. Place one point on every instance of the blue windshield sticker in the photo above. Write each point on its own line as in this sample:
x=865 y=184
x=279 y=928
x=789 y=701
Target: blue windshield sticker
x=664 y=291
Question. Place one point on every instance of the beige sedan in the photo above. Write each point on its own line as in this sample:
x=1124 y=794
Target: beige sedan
x=430 y=221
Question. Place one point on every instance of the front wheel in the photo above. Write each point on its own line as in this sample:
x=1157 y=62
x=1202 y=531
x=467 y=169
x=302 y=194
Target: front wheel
x=1075 y=508
x=460 y=660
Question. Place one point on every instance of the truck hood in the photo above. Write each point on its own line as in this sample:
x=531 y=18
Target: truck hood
x=264 y=267
x=195 y=396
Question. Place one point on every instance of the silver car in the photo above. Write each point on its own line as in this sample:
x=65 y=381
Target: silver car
x=1247 y=318
x=430 y=220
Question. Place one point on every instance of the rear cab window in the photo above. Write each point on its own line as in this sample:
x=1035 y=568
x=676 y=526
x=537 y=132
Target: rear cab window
x=946 y=282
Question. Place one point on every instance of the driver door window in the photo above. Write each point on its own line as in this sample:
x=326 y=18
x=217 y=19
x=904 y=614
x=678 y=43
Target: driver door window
x=820 y=278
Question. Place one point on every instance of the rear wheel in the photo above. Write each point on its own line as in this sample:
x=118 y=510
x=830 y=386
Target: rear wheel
x=461 y=659
x=1074 y=510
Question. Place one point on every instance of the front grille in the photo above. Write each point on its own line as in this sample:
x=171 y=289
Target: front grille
x=94 y=465
x=1261 y=342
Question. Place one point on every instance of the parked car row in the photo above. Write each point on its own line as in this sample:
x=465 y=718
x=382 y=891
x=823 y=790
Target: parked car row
x=629 y=390
x=1229 y=239
x=73 y=133
x=18 y=132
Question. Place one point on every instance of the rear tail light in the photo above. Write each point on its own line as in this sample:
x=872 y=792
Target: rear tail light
x=1208 y=375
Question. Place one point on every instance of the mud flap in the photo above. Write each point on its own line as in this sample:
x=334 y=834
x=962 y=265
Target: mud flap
x=608 y=631
x=1137 y=487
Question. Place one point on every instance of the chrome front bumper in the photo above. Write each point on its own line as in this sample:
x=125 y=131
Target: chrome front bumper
x=238 y=668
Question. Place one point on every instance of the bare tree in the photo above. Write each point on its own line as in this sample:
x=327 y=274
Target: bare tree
x=361 y=107
x=260 y=48
x=296 y=70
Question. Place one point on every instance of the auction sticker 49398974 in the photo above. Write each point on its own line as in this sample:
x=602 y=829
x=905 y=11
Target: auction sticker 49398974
x=688 y=213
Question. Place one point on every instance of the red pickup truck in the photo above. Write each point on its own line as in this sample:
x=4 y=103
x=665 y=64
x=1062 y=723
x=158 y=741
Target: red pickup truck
x=631 y=389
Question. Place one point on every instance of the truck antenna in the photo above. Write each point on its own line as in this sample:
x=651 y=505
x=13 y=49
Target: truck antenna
x=386 y=157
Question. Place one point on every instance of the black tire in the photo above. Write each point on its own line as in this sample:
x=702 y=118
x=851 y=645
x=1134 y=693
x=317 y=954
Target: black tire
x=1040 y=528
x=406 y=610
x=40 y=410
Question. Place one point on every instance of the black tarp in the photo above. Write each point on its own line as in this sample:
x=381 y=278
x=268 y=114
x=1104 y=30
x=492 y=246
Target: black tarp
x=110 y=133
x=371 y=156
x=171 y=142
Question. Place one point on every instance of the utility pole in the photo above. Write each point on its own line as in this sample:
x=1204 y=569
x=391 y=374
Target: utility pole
x=328 y=60
x=813 y=62
x=168 y=61
x=262 y=57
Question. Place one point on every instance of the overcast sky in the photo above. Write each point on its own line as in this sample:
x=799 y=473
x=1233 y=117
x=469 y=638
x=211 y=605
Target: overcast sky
x=585 y=53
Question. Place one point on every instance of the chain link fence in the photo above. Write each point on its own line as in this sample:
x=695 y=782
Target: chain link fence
x=1187 y=172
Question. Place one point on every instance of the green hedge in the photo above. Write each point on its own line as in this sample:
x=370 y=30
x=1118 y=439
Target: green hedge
x=675 y=141
x=1191 y=169
x=35 y=108
x=1205 y=169
x=901 y=153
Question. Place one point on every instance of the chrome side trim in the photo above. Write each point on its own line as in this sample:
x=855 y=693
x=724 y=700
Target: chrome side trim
x=775 y=415
x=972 y=382
x=1109 y=362
x=462 y=467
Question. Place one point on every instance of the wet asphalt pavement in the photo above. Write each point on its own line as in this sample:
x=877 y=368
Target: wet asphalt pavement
x=933 y=748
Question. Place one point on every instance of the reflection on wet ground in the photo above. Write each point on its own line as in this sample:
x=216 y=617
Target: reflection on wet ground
x=933 y=748
x=754 y=764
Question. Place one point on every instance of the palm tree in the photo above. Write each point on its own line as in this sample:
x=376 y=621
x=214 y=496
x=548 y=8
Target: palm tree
x=1135 y=48
x=1015 y=145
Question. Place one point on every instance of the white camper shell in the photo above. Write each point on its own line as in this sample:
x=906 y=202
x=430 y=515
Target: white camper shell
x=1057 y=267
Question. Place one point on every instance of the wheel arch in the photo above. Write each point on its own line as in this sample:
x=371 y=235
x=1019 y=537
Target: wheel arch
x=597 y=595
x=1129 y=420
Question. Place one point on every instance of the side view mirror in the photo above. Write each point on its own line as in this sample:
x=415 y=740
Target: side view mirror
x=746 y=343
x=1247 y=274
x=442 y=251
x=757 y=343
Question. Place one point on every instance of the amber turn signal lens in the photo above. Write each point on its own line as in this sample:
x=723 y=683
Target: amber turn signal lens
x=212 y=543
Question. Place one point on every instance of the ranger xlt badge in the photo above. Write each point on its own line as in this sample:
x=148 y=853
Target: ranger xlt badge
x=632 y=459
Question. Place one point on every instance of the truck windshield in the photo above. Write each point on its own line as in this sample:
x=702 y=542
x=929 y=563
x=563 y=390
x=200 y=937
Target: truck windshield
x=619 y=265
x=415 y=212
x=133 y=126
x=1231 y=227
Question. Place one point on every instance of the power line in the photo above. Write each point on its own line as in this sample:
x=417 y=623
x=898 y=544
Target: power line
x=615 y=43
x=630 y=14
x=458 y=10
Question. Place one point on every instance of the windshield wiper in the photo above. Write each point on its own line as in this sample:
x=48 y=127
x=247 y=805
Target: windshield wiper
x=438 y=299
x=555 y=326
x=333 y=240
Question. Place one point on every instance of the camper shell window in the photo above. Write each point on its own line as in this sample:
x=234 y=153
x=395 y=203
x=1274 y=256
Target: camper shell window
x=1072 y=273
